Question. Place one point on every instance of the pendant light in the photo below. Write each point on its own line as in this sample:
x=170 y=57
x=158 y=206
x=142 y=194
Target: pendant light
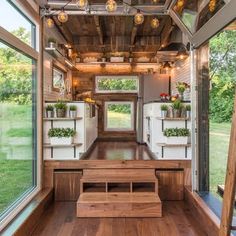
x=166 y=66
x=111 y=5
x=182 y=53
x=138 y=18
x=82 y=3
x=49 y=23
x=155 y=23
x=62 y=16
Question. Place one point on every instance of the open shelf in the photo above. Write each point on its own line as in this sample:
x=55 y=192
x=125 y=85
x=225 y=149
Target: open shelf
x=48 y=145
x=173 y=119
x=119 y=187
x=62 y=119
x=143 y=187
x=94 y=187
x=173 y=145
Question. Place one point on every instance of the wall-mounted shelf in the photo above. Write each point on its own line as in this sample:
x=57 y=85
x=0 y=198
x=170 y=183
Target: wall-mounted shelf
x=48 y=145
x=62 y=119
x=163 y=145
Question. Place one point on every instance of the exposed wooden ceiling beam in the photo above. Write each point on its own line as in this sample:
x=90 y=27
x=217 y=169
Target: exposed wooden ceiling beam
x=99 y=29
x=166 y=32
x=65 y=32
x=113 y=35
x=133 y=34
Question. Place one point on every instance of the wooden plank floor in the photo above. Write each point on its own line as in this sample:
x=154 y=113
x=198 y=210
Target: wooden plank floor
x=60 y=220
x=119 y=151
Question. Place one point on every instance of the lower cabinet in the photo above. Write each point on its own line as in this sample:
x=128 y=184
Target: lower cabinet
x=67 y=185
x=171 y=184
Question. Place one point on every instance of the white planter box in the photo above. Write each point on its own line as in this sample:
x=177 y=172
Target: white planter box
x=61 y=141
x=176 y=140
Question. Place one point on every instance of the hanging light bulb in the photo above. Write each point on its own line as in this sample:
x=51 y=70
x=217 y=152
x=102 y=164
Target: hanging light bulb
x=155 y=23
x=49 y=23
x=180 y=3
x=212 y=5
x=111 y=5
x=62 y=16
x=81 y=3
x=138 y=18
x=182 y=53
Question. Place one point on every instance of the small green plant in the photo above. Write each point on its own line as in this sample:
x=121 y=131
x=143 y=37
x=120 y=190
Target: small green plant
x=176 y=132
x=51 y=40
x=49 y=108
x=61 y=132
x=177 y=105
x=73 y=108
x=61 y=106
x=164 y=107
x=188 y=107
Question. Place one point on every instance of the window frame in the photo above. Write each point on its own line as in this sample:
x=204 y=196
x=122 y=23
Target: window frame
x=12 y=41
x=116 y=77
x=106 y=104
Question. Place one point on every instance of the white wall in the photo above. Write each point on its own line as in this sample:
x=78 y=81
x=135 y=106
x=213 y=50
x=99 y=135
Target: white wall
x=154 y=85
x=181 y=73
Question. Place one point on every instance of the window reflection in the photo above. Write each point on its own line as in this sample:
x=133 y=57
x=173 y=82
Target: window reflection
x=195 y=13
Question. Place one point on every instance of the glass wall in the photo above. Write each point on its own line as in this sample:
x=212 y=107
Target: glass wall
x=18 y=118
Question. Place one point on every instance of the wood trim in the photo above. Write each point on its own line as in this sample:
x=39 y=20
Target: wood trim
x=203 y=214
x=230 y=182
x=26 y=221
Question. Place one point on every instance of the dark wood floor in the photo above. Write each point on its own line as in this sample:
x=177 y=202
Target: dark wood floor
x=119 y=151
x=60 y=220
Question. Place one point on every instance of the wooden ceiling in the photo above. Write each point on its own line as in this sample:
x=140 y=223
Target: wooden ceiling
x=112 y=34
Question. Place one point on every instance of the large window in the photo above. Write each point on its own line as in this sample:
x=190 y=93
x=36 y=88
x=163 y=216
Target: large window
x=117 y=84
x=18 y=118
x=119 y=116
x=12 y=20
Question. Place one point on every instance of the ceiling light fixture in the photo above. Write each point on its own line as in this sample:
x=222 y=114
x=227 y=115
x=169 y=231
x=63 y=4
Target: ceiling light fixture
x=111 y=5
x=138 y=18
x=49 y=23
x=82 y=3
x=62 y=16
x=155 y=23
x=166 y=66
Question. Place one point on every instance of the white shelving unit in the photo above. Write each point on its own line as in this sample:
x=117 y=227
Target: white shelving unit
x=85 y=126
x=153 y=128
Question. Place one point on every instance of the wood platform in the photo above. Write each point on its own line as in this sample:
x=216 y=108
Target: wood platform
x=119 y=205
x=119 y=193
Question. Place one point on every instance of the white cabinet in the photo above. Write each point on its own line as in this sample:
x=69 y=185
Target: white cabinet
x=85 y=125
x=153 y=127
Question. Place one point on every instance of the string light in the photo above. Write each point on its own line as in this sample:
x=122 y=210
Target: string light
x=82 y=3
x=62 y=16
x=111 y=5
x=155 y=23
x=49 y=23
x=138 y=18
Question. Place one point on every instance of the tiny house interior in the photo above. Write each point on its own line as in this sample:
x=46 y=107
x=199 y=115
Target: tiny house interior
x=105 y=115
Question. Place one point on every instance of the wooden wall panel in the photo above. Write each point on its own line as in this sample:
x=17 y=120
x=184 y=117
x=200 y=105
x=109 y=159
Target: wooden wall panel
x=67 y=185
x=171 y=184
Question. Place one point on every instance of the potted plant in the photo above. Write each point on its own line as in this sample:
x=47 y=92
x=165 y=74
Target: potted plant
x=73 y=111
x=176 y=107
x=52 y=42
x=50 y=111
x=181 y=87
x=164 y=110
x=188 y=111
x=61 y=109
x=176 y=135
x=61 y=136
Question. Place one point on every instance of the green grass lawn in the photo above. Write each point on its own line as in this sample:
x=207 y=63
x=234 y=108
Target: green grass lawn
x=15 y=152
x=219 y=143
x=118 y=120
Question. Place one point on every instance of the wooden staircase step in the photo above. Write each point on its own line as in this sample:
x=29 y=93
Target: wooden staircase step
x=119 y=205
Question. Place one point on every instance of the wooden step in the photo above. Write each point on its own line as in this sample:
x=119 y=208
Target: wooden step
x=119 y=205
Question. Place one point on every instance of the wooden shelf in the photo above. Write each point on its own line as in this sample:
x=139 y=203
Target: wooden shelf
x=62 y=119
x=48 y=145
x=173 y=145
x=174 y=119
